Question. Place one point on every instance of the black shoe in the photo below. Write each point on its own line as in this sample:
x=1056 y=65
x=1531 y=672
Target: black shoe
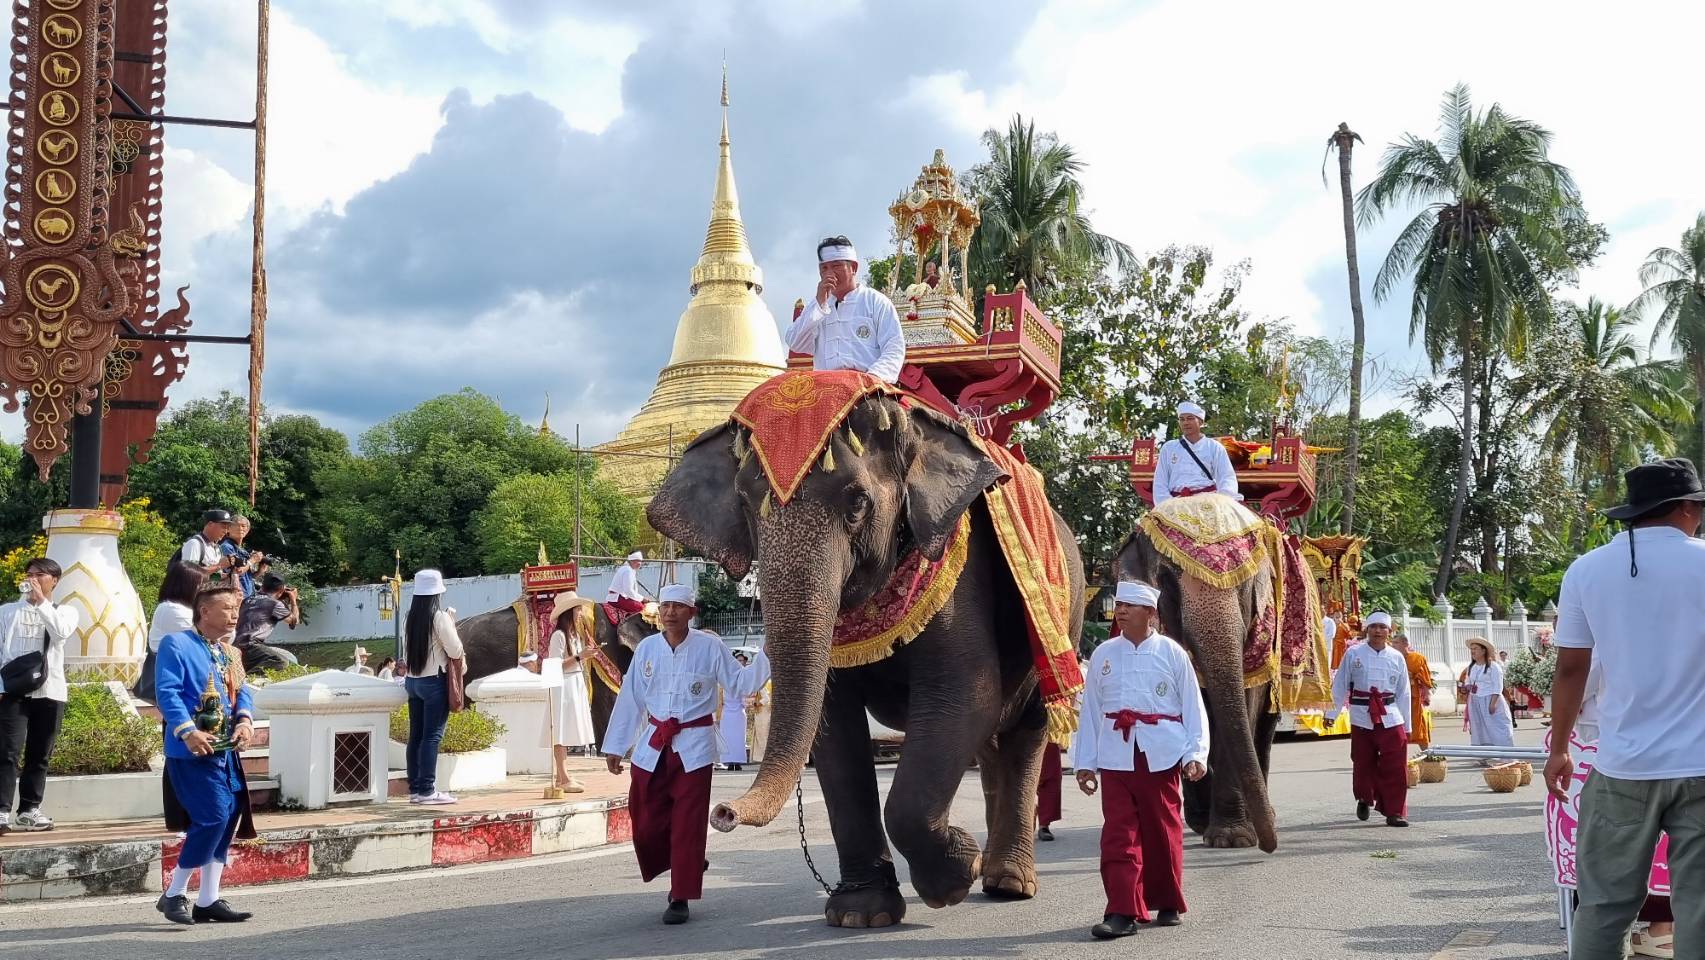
x=1361 y=810
x=1167 y=918
x=677 y=912
x=219 y=911
x=1114 y=926
x=737 y=767
x=176 y=909
x=1044 y=835
x=1396 y=822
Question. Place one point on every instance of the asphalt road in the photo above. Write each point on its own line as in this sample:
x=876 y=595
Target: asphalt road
x=1468 y=881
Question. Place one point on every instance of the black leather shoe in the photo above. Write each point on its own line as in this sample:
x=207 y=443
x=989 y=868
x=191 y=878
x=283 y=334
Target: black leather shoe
x=176 y=909
x=219 y=911
x=1113 y=926
x=1361 y=811
x=1396 y=822
x=1167 y=918
x=1044 y=835
x=677 y=912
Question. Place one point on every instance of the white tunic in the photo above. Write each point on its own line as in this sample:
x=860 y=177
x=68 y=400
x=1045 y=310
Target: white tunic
x=860 y=332
x=731 y=729
x=1363 y=669
x=1486 y=726
x=1175 y=472
x=568 y=714
x=678 y=683
x=1153 y=677
x=625 y=583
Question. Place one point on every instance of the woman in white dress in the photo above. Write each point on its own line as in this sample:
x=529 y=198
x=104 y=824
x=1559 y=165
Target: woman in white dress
x=759 y=705
x=1488 y=712
x=569 y=717
x=732 y=727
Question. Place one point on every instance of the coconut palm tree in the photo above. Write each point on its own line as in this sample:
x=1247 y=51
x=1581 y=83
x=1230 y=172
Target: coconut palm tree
x=1674 y=279
x=1602 y=401
x=1344 y=141
x=1034 y=226
x=1491 y=226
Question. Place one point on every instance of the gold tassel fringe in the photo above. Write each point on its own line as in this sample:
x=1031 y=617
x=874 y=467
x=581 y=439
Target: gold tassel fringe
x=882 y=421
x=854 y=442
x=740 y=447
x=1062 y=723
x=764 y=508
x=829 y=456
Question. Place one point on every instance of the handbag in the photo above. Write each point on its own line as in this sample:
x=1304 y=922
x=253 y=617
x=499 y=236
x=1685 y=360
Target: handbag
x=26 y=672
x=455 y=672
x=144 y=688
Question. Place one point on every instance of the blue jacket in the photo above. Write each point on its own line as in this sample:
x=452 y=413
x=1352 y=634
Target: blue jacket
x=181 y=667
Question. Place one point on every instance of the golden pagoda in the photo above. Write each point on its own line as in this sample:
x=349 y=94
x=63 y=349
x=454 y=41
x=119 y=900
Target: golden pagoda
x=726 y=343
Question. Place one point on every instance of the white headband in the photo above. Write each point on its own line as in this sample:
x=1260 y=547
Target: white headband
x=1378 y=619
x=1136 y=593
x=837 y=252
x=1192 y=409
x=678 y=593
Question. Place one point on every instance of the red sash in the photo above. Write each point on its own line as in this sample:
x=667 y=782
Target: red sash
x=666 y=729
x=1126 y=720
x=1370 y=697
x=1192 y=491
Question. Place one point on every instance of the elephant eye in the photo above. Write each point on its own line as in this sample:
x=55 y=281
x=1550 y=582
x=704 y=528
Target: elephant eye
x=858 y=506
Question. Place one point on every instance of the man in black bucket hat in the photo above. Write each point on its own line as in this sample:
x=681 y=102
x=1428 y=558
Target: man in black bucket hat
x=1638 y=609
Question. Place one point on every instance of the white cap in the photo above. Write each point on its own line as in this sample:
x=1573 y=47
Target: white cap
x=678 y=593
x=840 y=251
x=636 y=555
x=1136 y=593
x=528 y=657
x=1378 y=618
x=1194 y=409
x=428 y=583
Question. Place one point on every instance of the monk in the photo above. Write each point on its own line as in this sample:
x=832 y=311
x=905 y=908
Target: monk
x=1420 y=693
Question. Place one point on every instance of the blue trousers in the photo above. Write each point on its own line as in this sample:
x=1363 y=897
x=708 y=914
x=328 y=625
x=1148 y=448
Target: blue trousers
x=207 y=789
x=428 y=711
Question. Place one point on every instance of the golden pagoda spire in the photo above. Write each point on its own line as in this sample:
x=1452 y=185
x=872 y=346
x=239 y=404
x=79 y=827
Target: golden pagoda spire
x=545 y=421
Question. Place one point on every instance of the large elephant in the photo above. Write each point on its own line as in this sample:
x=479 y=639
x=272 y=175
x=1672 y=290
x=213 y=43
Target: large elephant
x=963 y=690
x=1228 y=807
x=489 y=639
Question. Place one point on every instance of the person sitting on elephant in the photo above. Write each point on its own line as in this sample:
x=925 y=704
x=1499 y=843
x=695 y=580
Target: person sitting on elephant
x=1142 y=687
x=624 y=593
x=666 y=714
x=847 y=325
x=1193 y=463
x=1374 y=678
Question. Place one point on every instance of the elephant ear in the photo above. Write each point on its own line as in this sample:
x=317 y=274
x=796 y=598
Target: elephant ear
x=699 y=505
x=945 y=473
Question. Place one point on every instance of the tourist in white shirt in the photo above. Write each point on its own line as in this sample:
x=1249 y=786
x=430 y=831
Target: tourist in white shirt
x=1178 y=474
x=1141 y=724
x=666 y=714
x=203 y=549
x=30 y=719
x=1634 y=607
x=624 y=593
x=175 y=612
x=1374 y=679
x=1489 y=720
x=847 y=325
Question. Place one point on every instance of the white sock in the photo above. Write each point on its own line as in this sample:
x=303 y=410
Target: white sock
x=180 y=881
x=210 y=875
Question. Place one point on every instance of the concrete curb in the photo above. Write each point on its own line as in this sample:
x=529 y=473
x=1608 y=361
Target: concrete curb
x=345 y=850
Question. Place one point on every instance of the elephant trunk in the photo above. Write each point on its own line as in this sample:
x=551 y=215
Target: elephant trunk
x=1223 y=677
x=799 y=617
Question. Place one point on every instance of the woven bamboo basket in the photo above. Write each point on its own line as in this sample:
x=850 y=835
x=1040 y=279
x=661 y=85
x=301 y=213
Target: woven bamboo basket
x=1413 y=774
x=1503 y=778
x=1433 y=769
x=1526 y=773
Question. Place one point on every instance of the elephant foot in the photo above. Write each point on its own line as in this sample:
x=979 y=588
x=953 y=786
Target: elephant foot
x=1197 y=822
x=1009 y=881
x=949 y=884
x=866 y=907
x=1229 y=834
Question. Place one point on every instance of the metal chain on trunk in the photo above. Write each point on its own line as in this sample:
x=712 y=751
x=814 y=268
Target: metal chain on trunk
x=799 y=796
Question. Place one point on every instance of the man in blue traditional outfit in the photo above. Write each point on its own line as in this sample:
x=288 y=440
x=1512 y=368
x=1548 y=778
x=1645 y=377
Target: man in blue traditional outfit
x=207 y=711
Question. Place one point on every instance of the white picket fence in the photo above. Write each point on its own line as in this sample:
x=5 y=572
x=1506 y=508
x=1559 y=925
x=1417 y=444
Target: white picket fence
x=1444 y=644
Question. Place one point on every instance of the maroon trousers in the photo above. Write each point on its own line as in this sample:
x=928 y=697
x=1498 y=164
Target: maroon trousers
x=670 y=809
x=1142 y=840
x=1378 y=771
x=628 y=604
x=1048 y=788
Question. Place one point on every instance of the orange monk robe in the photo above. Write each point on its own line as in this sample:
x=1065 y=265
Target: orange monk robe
x=1420 y=691
x=1340 y=643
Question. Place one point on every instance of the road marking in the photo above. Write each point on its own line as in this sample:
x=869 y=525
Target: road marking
x=1466 y=938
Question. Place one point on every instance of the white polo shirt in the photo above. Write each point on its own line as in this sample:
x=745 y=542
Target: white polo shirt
x=1153 y=677
x=1647 y=634
x=860 y=332
x=1363 y=669
x=678 y=683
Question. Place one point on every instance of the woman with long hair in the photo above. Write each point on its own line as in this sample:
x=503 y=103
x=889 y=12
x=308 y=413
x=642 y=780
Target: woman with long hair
x=175 y=612
x=431 y=642
x=1488 y=712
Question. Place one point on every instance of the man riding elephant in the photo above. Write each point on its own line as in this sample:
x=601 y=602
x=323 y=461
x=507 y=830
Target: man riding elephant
x=884 y=534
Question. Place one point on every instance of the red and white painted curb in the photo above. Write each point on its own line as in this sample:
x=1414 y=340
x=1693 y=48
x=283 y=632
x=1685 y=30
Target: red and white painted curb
x=342 y=850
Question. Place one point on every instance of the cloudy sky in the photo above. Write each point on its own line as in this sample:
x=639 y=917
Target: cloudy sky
x=509 y=194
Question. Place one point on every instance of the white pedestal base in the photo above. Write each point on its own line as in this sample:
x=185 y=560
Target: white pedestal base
x=518 y=698
x=321 y=724
x=112 y=629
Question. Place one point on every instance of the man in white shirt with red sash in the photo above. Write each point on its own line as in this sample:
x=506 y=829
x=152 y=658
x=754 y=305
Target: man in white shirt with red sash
x=847 y=325
x=1142 y=723
x=1374 y=678
x=1192 y=463
x=666 y=714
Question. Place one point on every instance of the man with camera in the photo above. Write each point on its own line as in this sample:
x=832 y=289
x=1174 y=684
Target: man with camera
x=272 y=604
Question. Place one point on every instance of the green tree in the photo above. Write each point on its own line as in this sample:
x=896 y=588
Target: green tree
x=530 y=508
x=1674 y=278
x=1478 y=254
x=144 y=549
x=1344 y=140
x=1035 y=227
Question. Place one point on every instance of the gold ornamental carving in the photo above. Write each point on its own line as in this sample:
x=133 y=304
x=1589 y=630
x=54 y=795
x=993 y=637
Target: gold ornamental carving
x=55 y=186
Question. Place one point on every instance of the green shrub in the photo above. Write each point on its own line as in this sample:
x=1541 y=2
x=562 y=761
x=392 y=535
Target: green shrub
x=287 y=672
x=100 y=736
x=467 y=732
